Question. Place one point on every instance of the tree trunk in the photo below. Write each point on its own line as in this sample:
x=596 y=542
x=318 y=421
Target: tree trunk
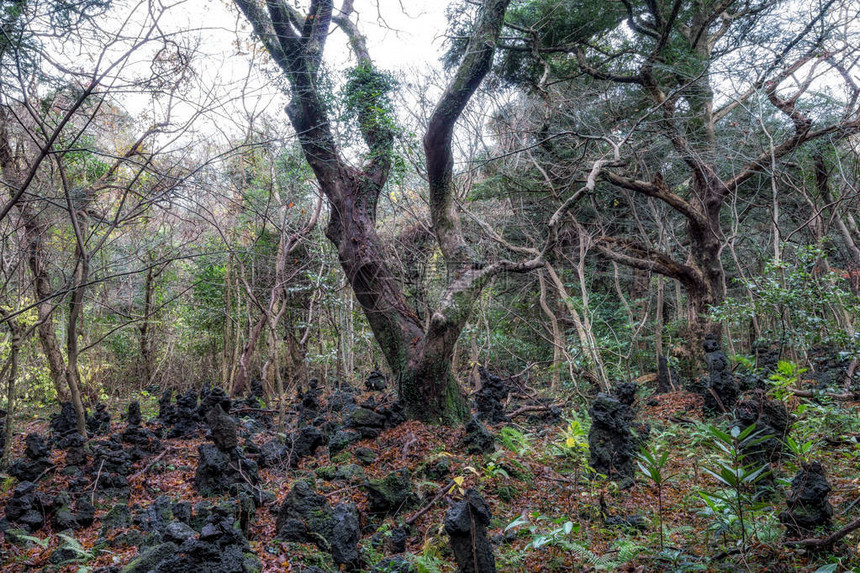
x=47 y=334
x=73 y=376
x=9 y=430
x=658 y=318
x=144 y=328
x=244 y=372
x=557 y=338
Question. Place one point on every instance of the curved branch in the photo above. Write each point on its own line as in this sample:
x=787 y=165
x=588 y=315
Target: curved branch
x=659 y=190
x=647 y=259
x=437 y=141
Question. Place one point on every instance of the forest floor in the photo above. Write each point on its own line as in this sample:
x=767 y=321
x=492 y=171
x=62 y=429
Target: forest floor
x=535 y=479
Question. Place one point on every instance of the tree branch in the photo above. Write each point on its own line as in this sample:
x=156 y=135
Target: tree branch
x=659 y=190
x=437 y=141
x=647 y=259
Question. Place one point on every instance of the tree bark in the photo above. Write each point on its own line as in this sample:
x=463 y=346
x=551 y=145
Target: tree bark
x=76 y=303
x=144 y=328
x=11 y=380
x=557 y=338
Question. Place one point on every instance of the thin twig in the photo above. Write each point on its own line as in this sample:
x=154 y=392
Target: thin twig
x=433 y=501
x=151 y=464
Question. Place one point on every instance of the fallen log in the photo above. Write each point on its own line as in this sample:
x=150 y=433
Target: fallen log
x=844 y=397
x=826 y=542
x=533 y=408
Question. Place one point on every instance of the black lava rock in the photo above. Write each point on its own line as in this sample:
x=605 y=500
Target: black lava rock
x=720 y=390
x=305 y=516
x=37 y=460
x=611 y=442
x=771 y=418
x=490 y=399
x=466 y=525
x=99 y=423
x=808 y=507
x=376 y=381
x=391 y=493
x=477 y=439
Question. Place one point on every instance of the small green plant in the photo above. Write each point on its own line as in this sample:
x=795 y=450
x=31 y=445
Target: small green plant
x=784 y=379
x=559 y=537
x=574 y=438
x=747 y=362
x=517 y=442
x=732 y=505
x=431 y=559
x=572 y=446
x=494 y=470
x=74 y=546
x=678 y=560
x=43 y=543
x=651 y=464
x=799 y=449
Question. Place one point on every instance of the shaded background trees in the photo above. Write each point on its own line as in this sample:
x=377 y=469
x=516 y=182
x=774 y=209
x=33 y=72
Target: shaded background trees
x=650 y=162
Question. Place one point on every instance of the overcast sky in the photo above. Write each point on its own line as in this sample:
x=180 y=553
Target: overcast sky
x=402 y=35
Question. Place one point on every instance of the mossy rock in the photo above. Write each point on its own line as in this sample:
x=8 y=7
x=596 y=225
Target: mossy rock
x=150 y=558
x=392 y=493
x=326 y=473
x=365 y=455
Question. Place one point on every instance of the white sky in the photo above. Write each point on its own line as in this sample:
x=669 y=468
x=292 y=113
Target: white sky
x=402 y=35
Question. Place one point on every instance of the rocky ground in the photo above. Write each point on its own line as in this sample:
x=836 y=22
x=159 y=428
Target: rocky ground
x=199 y=482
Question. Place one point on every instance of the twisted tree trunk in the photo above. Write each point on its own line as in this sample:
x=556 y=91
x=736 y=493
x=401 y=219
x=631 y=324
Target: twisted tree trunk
x=419 y=357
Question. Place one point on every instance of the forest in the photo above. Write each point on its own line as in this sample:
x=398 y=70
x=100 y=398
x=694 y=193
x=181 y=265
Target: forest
x=429 y=287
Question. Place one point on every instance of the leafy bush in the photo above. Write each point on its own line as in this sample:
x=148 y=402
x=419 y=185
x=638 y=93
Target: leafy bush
x=795 y=304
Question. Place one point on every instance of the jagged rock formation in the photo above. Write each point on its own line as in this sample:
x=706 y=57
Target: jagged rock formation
x=111 y=465
x=69 y=514
x=27 y=507
x=222 y=466
x=142 y=438
x=64 y=422
x=212 y=398
x=75 y=446
x=477 y=439
x=808 y=507
x=466 y=525
x=376 y=381
x=611 y=440
x=771 y=418
x=37 y=460
x=306 y=516
x=491 y=397
x=218 y=547
x=299 y=444
x=187 y=419
x=371 y=419
x=719 y=388
x=99 y=423
x=167 y=411
x=391 y=493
